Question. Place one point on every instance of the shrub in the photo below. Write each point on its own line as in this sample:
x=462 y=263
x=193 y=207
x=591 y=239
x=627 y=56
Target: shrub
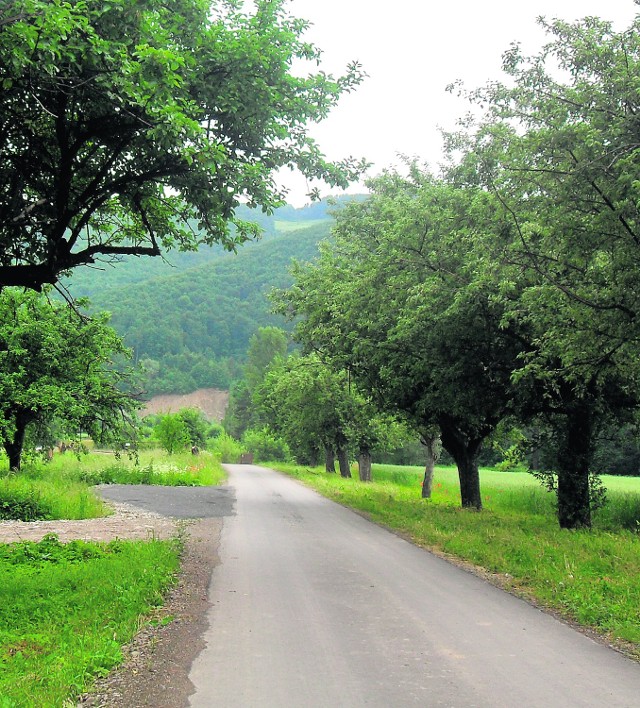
x=226 y=448
x=19 y=505
x=265 y=446
x=171 y=432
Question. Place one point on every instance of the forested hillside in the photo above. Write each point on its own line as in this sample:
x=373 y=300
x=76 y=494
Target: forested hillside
x=190 y=326
x=93 y=281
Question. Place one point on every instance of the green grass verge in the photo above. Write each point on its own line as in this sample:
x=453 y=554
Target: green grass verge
x=66 y=609
x=61 y=489
x=590 y=577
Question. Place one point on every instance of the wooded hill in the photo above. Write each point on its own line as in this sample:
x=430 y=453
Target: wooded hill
x=189 y=318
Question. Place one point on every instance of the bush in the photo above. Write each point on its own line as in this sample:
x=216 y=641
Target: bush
x=18 y=505
x=265 y=446
x=226 y=448
x=171 y=432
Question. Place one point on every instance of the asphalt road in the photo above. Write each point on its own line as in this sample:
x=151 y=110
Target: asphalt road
x=314 y=606
x=179 y=502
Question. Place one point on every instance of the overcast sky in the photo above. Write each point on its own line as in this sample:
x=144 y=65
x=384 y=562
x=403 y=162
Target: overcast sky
x=411 y=50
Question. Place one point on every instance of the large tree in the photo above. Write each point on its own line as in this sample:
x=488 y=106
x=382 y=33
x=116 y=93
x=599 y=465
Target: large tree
x=136 y=126
x=56 y=364
x=558 y=146
x=397 y=302
x=308 y=404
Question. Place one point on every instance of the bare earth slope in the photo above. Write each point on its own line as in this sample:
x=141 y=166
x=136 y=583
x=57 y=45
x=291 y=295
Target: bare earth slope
x=211 y=401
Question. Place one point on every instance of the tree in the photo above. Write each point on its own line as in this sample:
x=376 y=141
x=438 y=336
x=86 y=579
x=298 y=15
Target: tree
x=396 y=301
x=558 y=147
x=171 y=432
x=196 y=424
x=56 y=364
x=139 y=126
x=306 y=403
x=267 y=347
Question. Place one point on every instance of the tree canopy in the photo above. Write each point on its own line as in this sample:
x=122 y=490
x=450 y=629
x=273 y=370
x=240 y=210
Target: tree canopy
x=557 y=146
x=56 y=365
x=137 y=127
x=396 y=301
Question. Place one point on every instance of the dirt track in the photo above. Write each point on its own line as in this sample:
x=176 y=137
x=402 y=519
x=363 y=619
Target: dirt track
x=127 y=522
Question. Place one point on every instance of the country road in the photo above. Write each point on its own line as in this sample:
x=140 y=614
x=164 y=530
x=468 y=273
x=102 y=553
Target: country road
x=313 y=606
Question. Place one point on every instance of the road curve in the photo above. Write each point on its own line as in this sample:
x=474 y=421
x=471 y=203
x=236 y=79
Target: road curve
x=313 y=606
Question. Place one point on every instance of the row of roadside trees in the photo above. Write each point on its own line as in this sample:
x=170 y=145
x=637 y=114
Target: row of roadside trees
x=505 y=287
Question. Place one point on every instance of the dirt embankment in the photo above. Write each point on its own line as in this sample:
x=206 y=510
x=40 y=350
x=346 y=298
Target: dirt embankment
x=211 y=401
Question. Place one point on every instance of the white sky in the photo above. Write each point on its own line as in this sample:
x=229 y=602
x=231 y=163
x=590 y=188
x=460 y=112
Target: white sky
x=411 y=50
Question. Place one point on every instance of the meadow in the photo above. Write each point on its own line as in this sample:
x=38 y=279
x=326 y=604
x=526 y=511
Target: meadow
x=61 y=489
x=67 y=609
x=591 y=578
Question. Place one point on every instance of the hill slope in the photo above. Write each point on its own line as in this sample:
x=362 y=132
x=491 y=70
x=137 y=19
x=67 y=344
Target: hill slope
x=94 y=281
x=191 y=329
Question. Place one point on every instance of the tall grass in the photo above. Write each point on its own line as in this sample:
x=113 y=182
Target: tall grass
x=66 y=610
x=29 y=499
x=591 y=577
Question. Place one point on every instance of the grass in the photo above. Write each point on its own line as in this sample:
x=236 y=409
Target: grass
x=288 y=226
x=590 y=577
x=61 y=489
x=66 y=610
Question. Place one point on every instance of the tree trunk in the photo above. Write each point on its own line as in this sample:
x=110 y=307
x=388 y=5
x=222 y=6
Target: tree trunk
x=364 y=464
x=343 y=462
x=14 y=446
x=432 y=445
x=330 y=459
x=574 y=461
x=465 y=451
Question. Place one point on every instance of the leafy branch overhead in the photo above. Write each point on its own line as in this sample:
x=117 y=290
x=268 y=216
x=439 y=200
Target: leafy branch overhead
x=134 y=127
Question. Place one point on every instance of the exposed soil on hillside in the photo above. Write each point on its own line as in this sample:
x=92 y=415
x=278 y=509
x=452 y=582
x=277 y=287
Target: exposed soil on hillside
x=211 y=401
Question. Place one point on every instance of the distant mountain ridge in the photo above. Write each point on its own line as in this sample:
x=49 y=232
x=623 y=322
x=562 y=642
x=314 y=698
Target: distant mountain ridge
x=92 y=281
x=190 y=325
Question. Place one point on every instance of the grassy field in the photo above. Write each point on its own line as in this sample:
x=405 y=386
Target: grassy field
x=589 y=577
x=61 y=489
x=66 y=609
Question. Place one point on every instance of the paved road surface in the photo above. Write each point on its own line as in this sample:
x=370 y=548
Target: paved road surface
x=312 y=606
x=179 y=502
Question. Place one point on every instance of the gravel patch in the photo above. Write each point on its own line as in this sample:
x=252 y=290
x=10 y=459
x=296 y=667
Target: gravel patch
x=127 y=522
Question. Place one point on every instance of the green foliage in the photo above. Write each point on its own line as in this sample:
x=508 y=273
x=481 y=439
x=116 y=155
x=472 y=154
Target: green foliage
x=397 y=301
x=201 y=101
x=556 y=147
x=22 y=505
x=53 y=644
x=196 y=424
x=192 y=328
x=226 y=449
x=267 y=348
x=265 y=446
x=171 y=432
x=192 y=474
x=139 y=274
x=57 y=365
x=306 y=403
